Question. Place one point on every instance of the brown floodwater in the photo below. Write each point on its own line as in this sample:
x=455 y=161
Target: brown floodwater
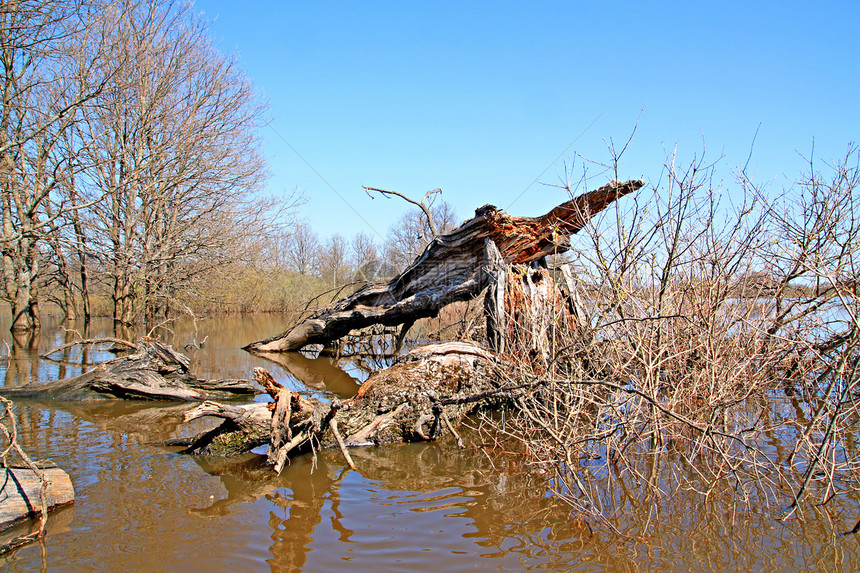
x=415 y=507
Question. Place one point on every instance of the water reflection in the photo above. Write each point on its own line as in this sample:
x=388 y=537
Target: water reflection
x=22 y=358
x=220 y=356
x=321 y=373
x=149 y=421
x=405 y=502
x=419 y=507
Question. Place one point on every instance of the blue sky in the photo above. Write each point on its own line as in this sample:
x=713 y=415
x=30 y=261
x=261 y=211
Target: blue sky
x=483 y=98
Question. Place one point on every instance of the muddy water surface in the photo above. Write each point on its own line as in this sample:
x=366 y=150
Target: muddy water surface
x=419 y=507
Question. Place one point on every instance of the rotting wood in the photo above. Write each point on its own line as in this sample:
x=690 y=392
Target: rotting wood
x=421 y=396
x=415 y=399
x=155 y=371
x=455 y=266
x=536 y=311
x=282 y=433
x=426 y=391
x=245 y=427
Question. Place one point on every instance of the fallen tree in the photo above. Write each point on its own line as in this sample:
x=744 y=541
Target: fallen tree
x=427 y=391
x=455 y=266
x=415 y=399
x=423 y=395
x=153 y=372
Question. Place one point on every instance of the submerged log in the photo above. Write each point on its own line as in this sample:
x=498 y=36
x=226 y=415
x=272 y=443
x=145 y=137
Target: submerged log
x=19 y=493
x=153 y=372
x=416 y=399
x=454 y=267
x=245 y=427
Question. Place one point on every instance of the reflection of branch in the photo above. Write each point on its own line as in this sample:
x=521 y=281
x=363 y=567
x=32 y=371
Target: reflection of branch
x=89 y=341
x=421 y=205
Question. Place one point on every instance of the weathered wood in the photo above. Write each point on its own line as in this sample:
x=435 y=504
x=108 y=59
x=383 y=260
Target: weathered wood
x=341 y=444
x=244 y=428
x=494 y=300
x=407 y=402
x=401 y=403
x=453 y=267
x=282 y=433
x=537 y=312
x=155 y=371
x=424 y=391
x=19 y=493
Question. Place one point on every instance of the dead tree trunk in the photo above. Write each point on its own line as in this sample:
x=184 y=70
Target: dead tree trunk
x=153 y=372
x=454 y=267
x=526 y=312
x=425 y=392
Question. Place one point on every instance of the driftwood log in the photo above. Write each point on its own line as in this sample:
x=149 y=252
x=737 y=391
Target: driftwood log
x=454 y=267
x=416 y=399
x=155 y=371
x=19 y=493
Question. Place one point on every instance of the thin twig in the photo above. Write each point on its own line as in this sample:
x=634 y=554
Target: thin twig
x=333 y=425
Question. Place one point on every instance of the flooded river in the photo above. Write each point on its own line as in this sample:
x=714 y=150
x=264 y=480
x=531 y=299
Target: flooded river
x=418 y=507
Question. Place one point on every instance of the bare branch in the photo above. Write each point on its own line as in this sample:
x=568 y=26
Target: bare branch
x=425 y=208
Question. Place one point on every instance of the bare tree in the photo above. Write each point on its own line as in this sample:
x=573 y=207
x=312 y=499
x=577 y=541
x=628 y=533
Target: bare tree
x=303 y=249
x=173 y=146
x=364 y=258
x=412 y=232
x=47 y=54
x=715 y=349
x=333 y=261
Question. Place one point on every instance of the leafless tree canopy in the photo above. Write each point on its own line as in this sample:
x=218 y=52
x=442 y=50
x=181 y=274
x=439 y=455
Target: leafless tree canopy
x=411 y=233
x=47 y=78
x=131 y=149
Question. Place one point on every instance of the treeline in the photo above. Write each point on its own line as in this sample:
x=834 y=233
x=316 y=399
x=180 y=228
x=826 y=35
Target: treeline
x=132 y=174
x=295 y=264
x=130 y=155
